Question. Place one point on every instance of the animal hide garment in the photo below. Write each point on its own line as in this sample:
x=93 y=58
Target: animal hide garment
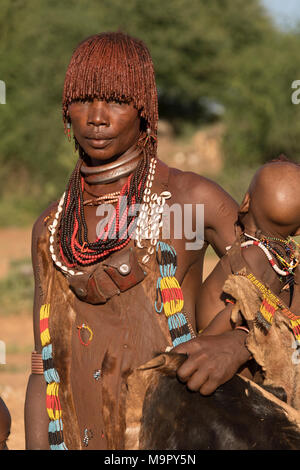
x=273 y=348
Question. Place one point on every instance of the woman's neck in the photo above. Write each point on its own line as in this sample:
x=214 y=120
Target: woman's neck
x=109 y=176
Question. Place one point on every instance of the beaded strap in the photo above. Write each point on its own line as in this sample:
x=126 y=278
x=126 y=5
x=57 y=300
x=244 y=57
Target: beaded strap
x=171 y=296
x=270 y=303
x=55 y=430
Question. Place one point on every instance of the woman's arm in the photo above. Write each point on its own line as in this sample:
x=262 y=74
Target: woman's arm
x=36 y=417
x=213 y=357
x=221 y=323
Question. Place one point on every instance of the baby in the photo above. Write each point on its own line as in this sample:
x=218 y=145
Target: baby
x=257 y=281
x=268 y=216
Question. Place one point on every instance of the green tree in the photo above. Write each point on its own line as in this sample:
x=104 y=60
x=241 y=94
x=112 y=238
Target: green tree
x=229 y=52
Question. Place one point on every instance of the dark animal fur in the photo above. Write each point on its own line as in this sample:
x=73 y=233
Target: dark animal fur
x=237 y=416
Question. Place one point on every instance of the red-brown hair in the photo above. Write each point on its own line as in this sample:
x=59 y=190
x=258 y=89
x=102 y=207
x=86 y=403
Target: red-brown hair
x=113 y=66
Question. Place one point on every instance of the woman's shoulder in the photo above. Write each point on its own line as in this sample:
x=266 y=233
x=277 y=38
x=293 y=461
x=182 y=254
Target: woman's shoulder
x=41 y=223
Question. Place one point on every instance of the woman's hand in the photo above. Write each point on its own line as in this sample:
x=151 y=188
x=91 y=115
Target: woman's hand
x=212 y=360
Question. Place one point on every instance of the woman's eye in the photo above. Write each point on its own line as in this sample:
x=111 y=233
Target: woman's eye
x=118 y=103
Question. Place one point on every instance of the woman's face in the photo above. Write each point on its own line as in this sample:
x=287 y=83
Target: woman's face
x=104 y=129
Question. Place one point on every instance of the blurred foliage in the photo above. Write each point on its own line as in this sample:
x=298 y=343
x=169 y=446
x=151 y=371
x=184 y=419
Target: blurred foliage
x=227 y=52
x=17 y=288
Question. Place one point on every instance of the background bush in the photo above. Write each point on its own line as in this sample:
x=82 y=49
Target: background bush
x=225 y=53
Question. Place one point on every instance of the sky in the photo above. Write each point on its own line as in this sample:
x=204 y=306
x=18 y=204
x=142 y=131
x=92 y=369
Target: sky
x=286 y=13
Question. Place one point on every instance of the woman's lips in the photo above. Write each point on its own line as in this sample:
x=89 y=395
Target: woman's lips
x=99 y=143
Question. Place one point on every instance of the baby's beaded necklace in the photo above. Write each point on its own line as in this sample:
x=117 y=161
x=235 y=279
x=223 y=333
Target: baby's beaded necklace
x=264 y=245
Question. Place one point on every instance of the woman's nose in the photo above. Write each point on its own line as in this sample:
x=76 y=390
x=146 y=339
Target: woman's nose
x=98 y=114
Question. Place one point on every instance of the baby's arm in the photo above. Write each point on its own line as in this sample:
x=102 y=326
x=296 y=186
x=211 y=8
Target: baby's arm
x=213 y=311
x=222 y=322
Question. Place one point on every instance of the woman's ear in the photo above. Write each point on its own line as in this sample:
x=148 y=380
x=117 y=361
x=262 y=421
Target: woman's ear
x=244 y=207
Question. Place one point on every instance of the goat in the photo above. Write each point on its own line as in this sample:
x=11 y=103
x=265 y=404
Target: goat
x=163 y=414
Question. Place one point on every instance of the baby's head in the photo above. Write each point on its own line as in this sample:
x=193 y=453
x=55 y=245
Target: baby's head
x=272 y=202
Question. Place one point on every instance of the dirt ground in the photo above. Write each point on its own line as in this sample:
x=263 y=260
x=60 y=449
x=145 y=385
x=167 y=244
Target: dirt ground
x=16 y=332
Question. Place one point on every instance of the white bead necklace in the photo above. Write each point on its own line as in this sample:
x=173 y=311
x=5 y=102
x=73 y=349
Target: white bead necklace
x=268 y=255
x=149 y=219
x=52 y=229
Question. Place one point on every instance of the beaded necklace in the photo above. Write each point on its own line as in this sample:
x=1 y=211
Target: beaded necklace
x=264 y=245
x=72 y=235
x=110 y=198
x=291 y=248
x=148 y=226
x=149 y=220
x=76 y=250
